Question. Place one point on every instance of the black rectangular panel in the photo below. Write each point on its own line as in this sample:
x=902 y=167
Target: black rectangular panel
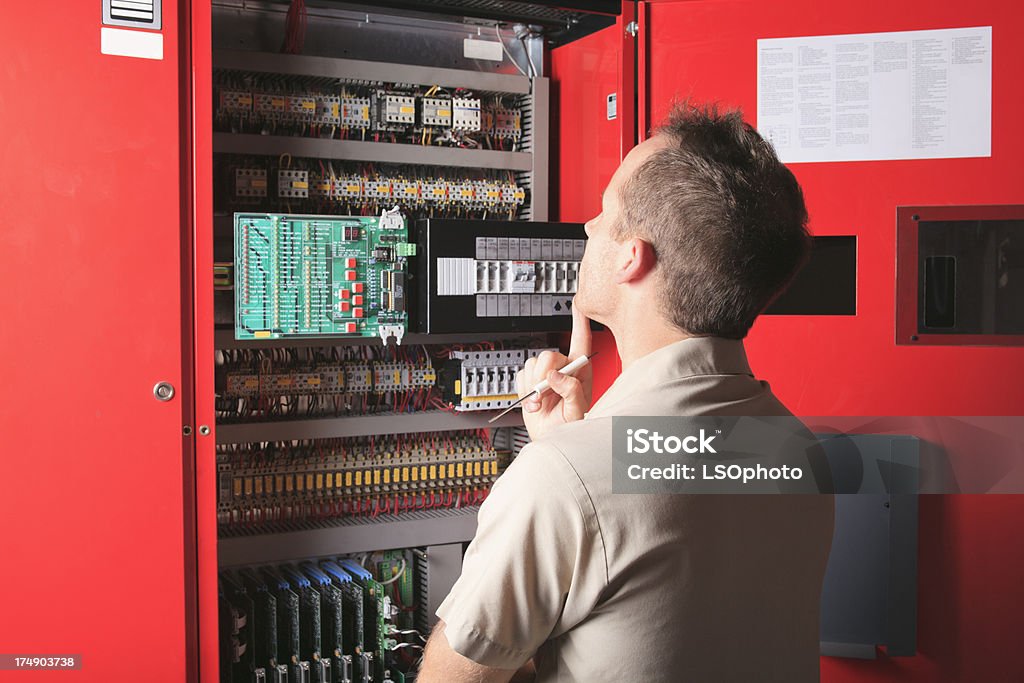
x=446 y=288
x=827 y=284
x=970 y=277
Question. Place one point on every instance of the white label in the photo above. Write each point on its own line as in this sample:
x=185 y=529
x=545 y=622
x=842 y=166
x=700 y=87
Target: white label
x=876 y=96
x=127 y=43
x=613 y=109
x=482 y=49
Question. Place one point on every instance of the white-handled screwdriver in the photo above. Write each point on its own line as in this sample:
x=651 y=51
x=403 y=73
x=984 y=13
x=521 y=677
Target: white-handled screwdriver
x=542 y=386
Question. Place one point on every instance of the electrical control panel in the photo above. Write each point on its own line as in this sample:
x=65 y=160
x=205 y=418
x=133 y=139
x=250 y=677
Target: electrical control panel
x=496 y=276
x=254 y=102
x=334 y=618
x=311 y=186
x=483 y=380
x=280 y=486
x=302 y=276
x=331 y=446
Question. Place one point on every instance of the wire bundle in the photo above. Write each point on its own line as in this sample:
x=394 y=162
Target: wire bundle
x=295 y=28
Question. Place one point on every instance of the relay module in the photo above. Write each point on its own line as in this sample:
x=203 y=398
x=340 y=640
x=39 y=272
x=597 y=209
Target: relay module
x=311 y=276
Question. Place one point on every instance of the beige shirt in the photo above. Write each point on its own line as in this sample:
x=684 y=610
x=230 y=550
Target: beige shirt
x=613 y=587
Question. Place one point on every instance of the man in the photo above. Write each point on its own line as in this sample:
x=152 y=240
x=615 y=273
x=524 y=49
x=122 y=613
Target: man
x=700 y=228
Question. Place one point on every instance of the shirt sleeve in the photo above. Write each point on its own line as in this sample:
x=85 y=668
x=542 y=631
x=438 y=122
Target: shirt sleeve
x=535 y=568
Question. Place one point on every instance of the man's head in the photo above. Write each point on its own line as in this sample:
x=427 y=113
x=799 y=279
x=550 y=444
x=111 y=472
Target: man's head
x=701 y=225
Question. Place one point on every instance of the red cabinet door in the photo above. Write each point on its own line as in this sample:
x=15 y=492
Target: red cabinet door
x=95 y=468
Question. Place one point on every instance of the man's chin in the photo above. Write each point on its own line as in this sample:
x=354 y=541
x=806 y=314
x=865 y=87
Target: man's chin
x=596 y=316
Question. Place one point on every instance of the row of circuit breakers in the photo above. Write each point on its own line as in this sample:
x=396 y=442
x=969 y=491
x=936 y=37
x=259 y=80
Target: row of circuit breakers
x=467 y=380
x=301 y=276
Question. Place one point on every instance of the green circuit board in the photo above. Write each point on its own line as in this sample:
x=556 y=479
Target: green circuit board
x=315 y=276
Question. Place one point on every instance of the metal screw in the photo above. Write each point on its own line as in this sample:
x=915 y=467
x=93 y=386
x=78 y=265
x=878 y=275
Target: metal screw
x=187 y=430
x=915 y=217
x=204 y=430
x=913 y=337
x=163 y=391
x=632 y=28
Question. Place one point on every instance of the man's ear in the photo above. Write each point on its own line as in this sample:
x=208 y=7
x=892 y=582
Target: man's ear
x=635 y=260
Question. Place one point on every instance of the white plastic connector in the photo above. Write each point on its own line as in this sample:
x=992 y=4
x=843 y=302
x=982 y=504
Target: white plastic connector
x=391 y=219
x=396 y=331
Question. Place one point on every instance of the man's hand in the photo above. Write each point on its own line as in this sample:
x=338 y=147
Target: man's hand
x=569 y=397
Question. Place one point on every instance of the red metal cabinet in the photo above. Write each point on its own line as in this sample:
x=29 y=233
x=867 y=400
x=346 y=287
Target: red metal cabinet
x=97 y=502
x=106 y=194
x=970 y=596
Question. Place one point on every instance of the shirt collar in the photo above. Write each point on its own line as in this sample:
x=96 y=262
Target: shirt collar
x=688 y=357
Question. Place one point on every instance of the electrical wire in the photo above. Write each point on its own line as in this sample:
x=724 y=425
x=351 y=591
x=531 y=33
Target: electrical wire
x=295 y=28
x=397 y=576
x=529 y=57
x=497 y=32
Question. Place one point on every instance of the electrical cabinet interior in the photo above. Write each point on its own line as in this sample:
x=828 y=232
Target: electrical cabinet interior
x=349 y=470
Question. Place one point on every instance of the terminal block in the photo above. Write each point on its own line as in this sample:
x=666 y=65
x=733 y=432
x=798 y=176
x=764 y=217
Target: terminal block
x=349 y=187
x=234 y=102
x=271 y=106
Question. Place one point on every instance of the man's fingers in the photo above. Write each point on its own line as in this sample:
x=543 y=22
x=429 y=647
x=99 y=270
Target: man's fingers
x=546 y=362
x=569 y=388
x=523 y=386
x=581 y=340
